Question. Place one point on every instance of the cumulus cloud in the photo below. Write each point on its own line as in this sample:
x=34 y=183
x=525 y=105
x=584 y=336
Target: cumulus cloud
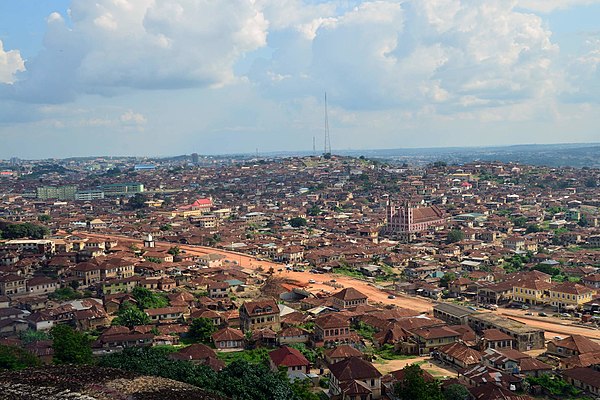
x=10 y=63
x=547 y=6
x=446 y=53
x=112 y=45
x=132 y=118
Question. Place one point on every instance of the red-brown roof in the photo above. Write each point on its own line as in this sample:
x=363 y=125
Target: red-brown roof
x=288 y=357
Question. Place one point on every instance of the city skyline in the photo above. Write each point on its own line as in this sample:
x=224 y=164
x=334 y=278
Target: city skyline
x=154 y=78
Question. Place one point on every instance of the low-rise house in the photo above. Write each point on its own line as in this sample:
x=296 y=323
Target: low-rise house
x=348 y=298
x=587 y=379
x=217 y=290
x=165 y=315
x=295 y=364
x=340 y=353
x=531 y=291
x=12 y=327
x=228 y=339
x=11 y=284
x=41 y=285
x=293 y=335
x=459 y=355
x=572 y=346
x=199 y=354
x=496 y=339
x=429 y=339
x=354 y=378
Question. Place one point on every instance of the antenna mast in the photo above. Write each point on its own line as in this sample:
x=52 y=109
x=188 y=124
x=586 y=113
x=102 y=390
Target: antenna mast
x=327 y=144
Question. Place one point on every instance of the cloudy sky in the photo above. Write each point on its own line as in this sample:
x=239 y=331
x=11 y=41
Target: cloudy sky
x=167 y=77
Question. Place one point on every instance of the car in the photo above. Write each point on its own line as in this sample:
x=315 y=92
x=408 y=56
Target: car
x=542 y=314
x=528 y=313
x=333 y=280
x=280 y=269
x=311 y=281
x=472 y=308
x=558 y=338
x=524 y=307
x=565 y=314
x=391 y=296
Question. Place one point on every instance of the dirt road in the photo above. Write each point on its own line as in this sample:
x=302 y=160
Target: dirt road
x=552 y=326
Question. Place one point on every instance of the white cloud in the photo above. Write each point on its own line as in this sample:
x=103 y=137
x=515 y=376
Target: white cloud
x=132 y=118
x=547 y=6
x=10 y=63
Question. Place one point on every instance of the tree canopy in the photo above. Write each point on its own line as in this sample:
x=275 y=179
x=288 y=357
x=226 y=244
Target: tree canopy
x=130 y=315
x=70 y=346
x=201 y=330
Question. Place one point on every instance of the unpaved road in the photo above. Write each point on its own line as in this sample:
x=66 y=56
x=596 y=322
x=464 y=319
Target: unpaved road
x=552 y=326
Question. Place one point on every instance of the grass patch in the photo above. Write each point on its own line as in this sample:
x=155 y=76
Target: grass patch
x=387 y=352
x=255 y=356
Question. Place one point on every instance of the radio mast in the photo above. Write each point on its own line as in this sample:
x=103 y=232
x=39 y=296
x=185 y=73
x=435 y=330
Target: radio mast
x=327 y=144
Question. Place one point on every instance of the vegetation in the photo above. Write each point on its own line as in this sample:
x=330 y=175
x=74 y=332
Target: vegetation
x=258 y=355
x=297 y=222
x=174 y=251
x=147 y=299
x=555 y=386
x=44 y=218
x=26 y=230
x=311 y=354
x=130 y=315
x=31 y=336
x=138 y=201
x=455 y=235
x=16 y=358
x=387 y=352
x=70 y=346
x=240 y=380
x=365 y=330
x=415 y=387
x=447 y=278
x=201 y=330
x=66 y=293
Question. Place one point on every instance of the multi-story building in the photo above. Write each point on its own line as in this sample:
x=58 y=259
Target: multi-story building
x=406 y=222
x=348 y=298
x=260 y=314
x=331 y=330
x=570 y=295
x=11 y=284
x=120 y=189
x=531 y=291
x=526 y=337
x=66 y=192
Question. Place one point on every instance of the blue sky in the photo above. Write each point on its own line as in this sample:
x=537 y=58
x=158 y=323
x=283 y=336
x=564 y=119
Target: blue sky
x=158 y=77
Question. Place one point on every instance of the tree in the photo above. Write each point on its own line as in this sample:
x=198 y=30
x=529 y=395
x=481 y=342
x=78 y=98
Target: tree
x=31 y=336
x=130 y=315
x=533 y=228
x=314 y=211
x=414 y=386
x=70 y=346
x=297 y=222
x=137 y=201
x=147 y=299
x=15 y=358
x=583 y=221
x=174 y=251
x=456 y=392
x=201 y=330
x=447 y=278
x=455 y=235
x=44 y=218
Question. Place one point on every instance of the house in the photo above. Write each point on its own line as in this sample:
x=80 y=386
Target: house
x=492 y=391
x=11 y=284
x=217 y=290
x=459 y=355
x=260 y=314
x=496 y=339
x=40 y=285
x=526 y=337
x=429 y=339
x=453 y=314
x=572 y=346
x=165 y=315
x=570 y=295
x=592 y=280
x=340 y=353
x=228 y=339
x=530 y=291
x=332 y=329
x=87 y=272
x=12 y=327
x=199 y=354
x=295 y=364
x=293 y=335
x=587 y=379
x=354 y=378
x=348 y=298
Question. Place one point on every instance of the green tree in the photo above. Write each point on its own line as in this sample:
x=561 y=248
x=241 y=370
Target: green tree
x=174 y=251
x=456 y=392
x=533 y=228
x=15 y=358
x=70 y=346
x=447 y=278
x=314 y=211
x=66 y=293
x=44 y=218
x=31 y=336
x=130 y=315
x=147 y=299
x=297 y=222
x=414 y=386
x=201 y=330
x=455 y=235
x=137 y=202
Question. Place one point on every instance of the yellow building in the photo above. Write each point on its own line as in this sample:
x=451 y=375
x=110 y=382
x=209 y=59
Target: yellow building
x=570 y=294
x=531 y=291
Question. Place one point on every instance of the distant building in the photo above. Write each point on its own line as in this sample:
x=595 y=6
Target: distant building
x=144 y=167
x=89 y=195
x=406 y=222
x=119 y=189
x=195 y=158
x=65 y=192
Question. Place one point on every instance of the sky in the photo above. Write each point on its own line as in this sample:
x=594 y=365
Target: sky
x=169 y=77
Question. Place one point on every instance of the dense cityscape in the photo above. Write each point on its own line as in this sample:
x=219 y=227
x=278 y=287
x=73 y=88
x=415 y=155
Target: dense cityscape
x=302 y=277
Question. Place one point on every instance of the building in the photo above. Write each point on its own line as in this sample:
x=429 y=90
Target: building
x=121 y=189
x=66 y=192
x=39 y=246
x=11 y=284
x=354 y=378
x=453 y=314
x=348 y=298
x=295 y=364
x=228 y=339
x=570 y=295
x=406 y=222
x=89 y=195
x=526 y=337
x=574 y=345
x=531 y=291
x=331 y=330
x=260 y=314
